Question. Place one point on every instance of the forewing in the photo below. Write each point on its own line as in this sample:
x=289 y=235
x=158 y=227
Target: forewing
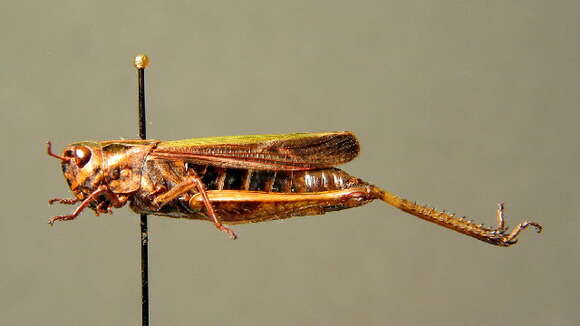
x=288 y=152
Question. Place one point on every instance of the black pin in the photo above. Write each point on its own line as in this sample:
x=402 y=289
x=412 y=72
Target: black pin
x=141 y=62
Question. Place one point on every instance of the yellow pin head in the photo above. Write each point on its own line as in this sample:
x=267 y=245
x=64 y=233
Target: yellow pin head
x=141 y=61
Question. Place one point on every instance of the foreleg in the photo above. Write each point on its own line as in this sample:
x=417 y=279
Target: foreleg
x=65 y=201
x=82 y=206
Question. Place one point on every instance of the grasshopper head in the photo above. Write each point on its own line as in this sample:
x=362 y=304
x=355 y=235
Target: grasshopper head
x=115 y=164
x=82 y=166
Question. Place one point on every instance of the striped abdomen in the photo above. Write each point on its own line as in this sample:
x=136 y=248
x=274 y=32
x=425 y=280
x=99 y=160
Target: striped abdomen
x=215 y=178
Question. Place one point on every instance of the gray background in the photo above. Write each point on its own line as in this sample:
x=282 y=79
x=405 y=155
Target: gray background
x=458 y=104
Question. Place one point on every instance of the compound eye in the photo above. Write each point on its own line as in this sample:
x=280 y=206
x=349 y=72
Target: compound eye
x=82 y=156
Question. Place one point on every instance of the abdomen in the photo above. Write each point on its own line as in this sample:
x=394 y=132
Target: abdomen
x=276 y=181
x=267 y=195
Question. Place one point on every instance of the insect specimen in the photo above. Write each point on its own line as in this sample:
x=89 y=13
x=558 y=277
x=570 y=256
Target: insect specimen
x=238 y=179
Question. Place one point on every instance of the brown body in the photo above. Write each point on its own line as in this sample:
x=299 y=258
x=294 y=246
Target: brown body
x=240 y=179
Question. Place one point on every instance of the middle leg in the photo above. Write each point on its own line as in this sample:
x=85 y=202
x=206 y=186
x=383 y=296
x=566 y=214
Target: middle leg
x=193 y=182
